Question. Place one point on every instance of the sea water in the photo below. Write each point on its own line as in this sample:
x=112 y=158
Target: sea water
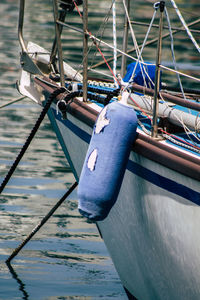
x=66 y=259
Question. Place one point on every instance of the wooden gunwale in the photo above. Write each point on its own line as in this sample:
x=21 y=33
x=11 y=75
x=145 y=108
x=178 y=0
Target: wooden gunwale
x=146 y=146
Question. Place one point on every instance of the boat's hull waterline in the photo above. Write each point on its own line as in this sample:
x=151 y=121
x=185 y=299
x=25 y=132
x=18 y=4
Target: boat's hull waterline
x=151 y=231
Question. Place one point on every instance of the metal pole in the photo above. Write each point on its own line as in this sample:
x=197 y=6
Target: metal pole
x=157 y=73
x=59 y=46
x=41 y=223
x=54 y=47
x=125 y=40
x=85 y=48
x=20 y=26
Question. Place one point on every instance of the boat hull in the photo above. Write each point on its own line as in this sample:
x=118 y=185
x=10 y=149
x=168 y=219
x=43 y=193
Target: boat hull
x=152 y=230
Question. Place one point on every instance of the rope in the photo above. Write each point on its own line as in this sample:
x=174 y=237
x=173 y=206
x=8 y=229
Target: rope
x=31 y=136
x=173 y=53
x=134 y=39
x=94 y=41
x=13 y=101
x=143 y=45
x=178 y=72
x=167 y=135
x=62 y=104
x=180 y=142
x=41 y=223
x=114 y=42
x=185 y=26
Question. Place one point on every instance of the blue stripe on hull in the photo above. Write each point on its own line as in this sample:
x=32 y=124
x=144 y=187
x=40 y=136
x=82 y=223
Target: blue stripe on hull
x=83 y=135
x=150 y=176
x=163 y=182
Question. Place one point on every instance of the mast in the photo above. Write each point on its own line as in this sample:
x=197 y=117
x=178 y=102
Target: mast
x=85 y=48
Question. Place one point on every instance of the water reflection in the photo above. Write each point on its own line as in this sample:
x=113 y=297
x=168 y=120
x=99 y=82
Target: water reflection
x=22 y=287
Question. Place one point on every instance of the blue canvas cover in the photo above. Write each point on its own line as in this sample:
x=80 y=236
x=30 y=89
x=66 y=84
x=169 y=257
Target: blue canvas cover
x=140 y=74
x=106 y=160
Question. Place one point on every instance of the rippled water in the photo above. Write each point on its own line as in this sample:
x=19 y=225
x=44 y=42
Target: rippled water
x=66 y=259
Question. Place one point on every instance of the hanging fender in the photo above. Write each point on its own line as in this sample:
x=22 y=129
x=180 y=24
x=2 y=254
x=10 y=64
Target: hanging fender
x=106 y=159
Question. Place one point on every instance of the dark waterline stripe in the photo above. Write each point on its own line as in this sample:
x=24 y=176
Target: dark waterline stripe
x=150 y=176
x=163 y=182
x=74 y=128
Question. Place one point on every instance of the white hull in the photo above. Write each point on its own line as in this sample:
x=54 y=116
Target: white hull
x=152 y=232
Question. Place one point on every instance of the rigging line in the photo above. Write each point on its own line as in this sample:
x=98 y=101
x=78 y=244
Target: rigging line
x=193 y=147
x=131 y=29
x=165 y=27
x=104 y=23
x=134 y=41
x=118 y=50
x=183 y=74
x=152 y=41
x=148 y=116
x=94 y=42
x=107 y=63
x=142 y=48
x=131 y=57
x=114 y=42
x=13 y=101
x=173 y=53
x=185 y=25
x=182 y=9
x=186 y=129
x=99 y=72
x=184 y=126
x=188 y=132
x=168 y=134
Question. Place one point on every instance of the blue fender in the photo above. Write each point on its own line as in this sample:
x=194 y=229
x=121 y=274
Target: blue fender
x=106 y=159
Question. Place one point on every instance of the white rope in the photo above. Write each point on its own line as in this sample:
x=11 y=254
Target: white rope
x=147 y=64
x=94 y=38
x=178 y=72
x=172 y=50
x=114 y=43
x=185 y=25
x=99 y=72
x=134 y=41
x=142 y=48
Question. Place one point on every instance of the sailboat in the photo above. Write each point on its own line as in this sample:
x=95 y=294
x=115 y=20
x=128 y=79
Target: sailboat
x=133 y=144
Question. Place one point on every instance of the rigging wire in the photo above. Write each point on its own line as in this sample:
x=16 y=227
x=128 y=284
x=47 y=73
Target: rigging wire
x=143 y=45
x=167 y=135
x=185 y=25
x=135 y=43
x=135 y=59
x=98 y=48
x=103 y=24
x=173 y=53
x=114 y=42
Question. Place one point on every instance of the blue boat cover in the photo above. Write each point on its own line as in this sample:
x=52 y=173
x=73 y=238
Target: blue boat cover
x=106 y=160
x=141 y=74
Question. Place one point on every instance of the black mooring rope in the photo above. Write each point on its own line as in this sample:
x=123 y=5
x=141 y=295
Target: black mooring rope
x=31 y=136
x=41 y=223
